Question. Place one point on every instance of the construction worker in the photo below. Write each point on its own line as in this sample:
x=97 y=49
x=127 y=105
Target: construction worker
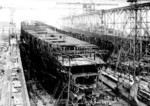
x=134 y=89
x=134 y=92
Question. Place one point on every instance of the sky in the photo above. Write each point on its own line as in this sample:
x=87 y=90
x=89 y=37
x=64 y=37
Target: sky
x=46 y=10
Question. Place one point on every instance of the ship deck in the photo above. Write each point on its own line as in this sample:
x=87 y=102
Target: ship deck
x=72 y=51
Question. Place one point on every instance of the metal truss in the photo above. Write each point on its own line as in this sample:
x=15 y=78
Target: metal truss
x=128 y=26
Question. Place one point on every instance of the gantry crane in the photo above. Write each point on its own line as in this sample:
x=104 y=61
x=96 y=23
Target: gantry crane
x=87 y=7
x=12 y=25
x=133 y=23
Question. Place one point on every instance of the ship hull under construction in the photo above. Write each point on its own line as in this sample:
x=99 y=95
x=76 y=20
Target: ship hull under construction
x=67 y=68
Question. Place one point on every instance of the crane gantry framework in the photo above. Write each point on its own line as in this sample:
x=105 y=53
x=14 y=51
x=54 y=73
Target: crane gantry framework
x=87 y=7
x=128 y=25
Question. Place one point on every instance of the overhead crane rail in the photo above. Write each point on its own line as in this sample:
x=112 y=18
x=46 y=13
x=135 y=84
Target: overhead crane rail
x=143 y=6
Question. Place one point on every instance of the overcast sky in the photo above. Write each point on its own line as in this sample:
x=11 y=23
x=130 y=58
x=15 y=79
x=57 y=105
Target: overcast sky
x=46 y=10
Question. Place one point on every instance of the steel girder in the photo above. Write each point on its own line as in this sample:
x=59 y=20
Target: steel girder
x=116 y=22
x=128 y=26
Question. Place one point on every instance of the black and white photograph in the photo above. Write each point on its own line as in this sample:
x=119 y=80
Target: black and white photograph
x=74 y=52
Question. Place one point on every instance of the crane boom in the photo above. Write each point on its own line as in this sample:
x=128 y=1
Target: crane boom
x=79 y=3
